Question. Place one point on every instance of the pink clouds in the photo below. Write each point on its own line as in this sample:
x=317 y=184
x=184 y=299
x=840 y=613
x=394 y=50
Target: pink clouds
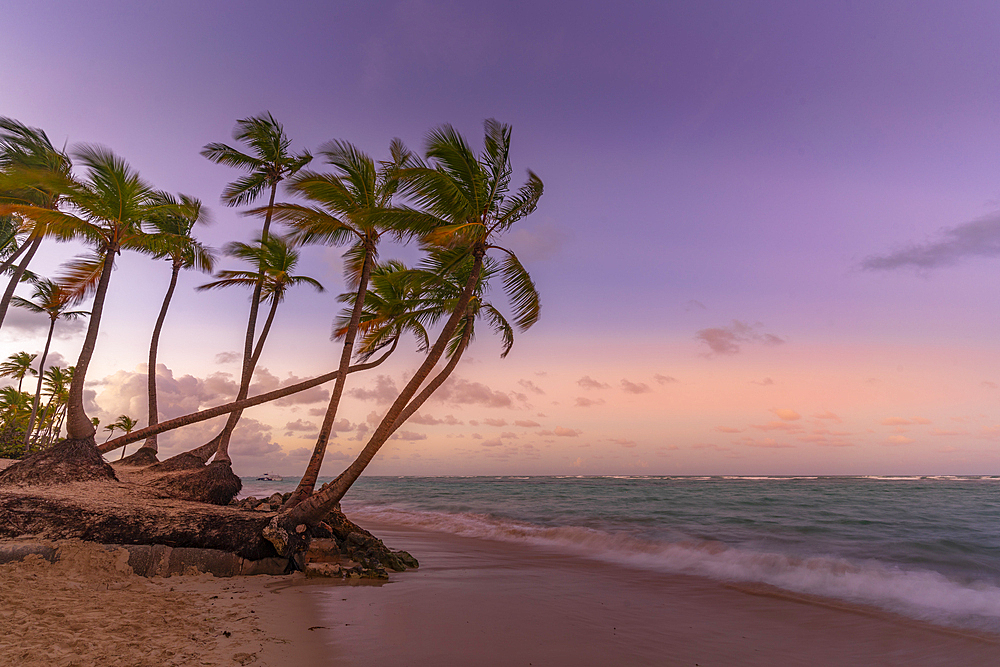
x=458 y=391
x=429 y=420
x=589 y=383
x=634 y=387
x=727 y=340
x=383 y=391
x=584 y=402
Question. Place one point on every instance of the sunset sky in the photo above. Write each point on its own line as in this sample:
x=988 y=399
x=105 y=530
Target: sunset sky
x=769 y=241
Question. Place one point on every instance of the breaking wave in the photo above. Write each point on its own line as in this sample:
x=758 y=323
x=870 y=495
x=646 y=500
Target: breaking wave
x=918 y=593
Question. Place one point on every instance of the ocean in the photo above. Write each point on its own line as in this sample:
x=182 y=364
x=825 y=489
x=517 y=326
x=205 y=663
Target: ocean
x=924 y=547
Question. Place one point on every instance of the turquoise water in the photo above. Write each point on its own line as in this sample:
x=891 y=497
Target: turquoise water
x=926 y=547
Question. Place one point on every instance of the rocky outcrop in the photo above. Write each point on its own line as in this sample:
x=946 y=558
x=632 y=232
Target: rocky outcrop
x=339 y=547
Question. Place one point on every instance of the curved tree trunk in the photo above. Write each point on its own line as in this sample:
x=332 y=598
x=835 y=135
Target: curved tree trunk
x=16 y=278
x=222 y=451
x=308 y=481
x=154 y=343
x=209 y=413
x=38 y=389
x=281 y=530
x=7 y=263
x=78 y=425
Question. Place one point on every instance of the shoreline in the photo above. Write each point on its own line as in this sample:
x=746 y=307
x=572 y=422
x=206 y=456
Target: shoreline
x=472 y=601
x=485 y=602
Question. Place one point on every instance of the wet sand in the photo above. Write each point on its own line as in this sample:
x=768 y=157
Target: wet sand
x=479 y=602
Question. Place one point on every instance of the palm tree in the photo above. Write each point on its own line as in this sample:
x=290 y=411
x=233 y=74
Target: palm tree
x=14 y=408
x=28 y=163
x=110 y=428
x=56 y=382
x=173 y=224
x=50 y=299
x=11 y=246
x=125 y=424
x=340 y=212
x=106 y=210
x=17 y=366
x=464 y=207
x=277 y=259
x=394 y=304
x=268 y=162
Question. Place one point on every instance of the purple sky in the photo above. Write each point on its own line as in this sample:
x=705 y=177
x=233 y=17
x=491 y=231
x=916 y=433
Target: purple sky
x=715 y=173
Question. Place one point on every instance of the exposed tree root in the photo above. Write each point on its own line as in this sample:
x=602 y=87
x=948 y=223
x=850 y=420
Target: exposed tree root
x=114 y=513
x=215 y=483
x=146 y=456
x=64 y=462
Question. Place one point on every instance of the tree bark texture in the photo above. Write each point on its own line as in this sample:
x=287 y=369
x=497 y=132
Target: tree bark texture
x=78 y=425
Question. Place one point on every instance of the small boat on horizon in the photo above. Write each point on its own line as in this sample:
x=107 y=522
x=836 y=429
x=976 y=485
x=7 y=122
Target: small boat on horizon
x=269 y=477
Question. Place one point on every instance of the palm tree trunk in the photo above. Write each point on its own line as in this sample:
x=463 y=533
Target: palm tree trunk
x=310 y=510
x=309 y=477
x=78 y=425
x=209 y=413
x=7 y=263
x=38 y=389
x=248 y=343
x=154 y=343
x=222 y=451
x=16 y=278
x=222 y=440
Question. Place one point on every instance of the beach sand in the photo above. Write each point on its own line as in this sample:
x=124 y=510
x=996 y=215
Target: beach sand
x=472 y=602
x=89 y=609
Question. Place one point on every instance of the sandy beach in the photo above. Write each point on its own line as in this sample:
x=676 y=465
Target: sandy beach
x=472 y=602
x=90 y=609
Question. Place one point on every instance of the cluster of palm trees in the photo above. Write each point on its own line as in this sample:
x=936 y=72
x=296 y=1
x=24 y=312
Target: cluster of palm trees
x=454 y=203
x=31 y=422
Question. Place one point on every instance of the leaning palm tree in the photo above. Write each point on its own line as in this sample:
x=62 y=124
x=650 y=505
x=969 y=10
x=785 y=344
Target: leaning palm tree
x=276 y=257
x=464 y=207
x=110 y=428
x=173 y=225
x=106 y=210
x=52 y=299
x=18 y=366
x=339 y=211
x=269 y=161
x=28 y=165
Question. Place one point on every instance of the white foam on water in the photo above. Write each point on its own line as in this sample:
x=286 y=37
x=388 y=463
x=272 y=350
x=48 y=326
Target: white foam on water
x=921 y=594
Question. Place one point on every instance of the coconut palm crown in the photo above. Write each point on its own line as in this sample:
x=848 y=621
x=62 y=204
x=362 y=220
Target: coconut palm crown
x=30 y=171
x=106 y=210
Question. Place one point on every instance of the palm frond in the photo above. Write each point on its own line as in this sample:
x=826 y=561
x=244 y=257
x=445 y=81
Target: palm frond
x=520 y=290
x=79 y=276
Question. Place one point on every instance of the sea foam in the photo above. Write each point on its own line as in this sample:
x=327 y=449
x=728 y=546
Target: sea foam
x=917 y=593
